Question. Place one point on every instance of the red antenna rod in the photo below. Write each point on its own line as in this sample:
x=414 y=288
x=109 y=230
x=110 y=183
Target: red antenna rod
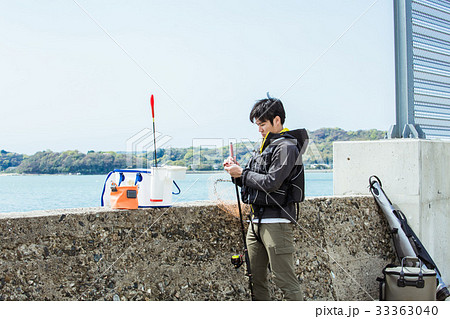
x=152 y=103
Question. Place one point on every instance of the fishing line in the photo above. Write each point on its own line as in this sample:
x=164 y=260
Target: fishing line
x=133 y=59
x=322 y=54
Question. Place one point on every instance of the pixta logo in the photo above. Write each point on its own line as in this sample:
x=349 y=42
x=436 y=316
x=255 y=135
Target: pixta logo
x=141 y=146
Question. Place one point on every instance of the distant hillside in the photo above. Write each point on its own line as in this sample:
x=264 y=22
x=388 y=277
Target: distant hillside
x=9 y=160
x=319 y=155
x=323 y=139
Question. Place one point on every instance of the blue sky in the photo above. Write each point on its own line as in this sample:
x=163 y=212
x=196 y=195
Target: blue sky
x=66 y=84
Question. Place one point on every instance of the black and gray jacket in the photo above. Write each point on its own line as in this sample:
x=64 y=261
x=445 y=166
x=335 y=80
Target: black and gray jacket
x=273 y=180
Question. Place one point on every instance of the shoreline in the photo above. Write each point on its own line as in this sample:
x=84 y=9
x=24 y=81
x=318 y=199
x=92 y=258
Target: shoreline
x=187 y=172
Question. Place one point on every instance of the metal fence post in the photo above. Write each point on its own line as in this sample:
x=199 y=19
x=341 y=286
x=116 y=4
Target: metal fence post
x=404 y=73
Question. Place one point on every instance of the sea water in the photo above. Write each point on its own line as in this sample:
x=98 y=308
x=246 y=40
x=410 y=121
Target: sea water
x=23 y=193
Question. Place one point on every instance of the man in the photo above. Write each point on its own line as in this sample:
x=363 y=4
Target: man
x=273 y=184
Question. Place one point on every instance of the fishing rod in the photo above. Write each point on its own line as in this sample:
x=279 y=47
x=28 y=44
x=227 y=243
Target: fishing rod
x=152 y=103
x=238 y=260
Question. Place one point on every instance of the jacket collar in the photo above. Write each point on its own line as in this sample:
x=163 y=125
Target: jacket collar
x=269 y=137
x=300 y=135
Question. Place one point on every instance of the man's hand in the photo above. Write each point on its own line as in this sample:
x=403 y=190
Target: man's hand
x=234 y=170
x=230 y=161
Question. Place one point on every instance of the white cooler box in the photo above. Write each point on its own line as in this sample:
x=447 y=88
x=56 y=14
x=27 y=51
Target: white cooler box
x=155 y=185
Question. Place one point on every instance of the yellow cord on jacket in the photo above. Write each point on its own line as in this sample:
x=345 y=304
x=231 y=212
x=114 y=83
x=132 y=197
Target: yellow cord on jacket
x=264 y=140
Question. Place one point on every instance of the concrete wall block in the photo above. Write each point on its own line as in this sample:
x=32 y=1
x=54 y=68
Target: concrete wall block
x=342 y=244
x=355 y=162
x=416 y=177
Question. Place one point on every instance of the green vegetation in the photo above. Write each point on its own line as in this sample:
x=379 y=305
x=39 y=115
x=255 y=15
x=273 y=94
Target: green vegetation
x=9 y=160
x=319 y=156
x=48 y=162
x=323 y=139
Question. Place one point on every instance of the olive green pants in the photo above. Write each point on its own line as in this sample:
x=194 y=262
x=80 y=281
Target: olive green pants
x=276 y=249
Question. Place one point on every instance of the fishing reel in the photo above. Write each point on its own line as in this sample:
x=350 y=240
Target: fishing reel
x=237 y=261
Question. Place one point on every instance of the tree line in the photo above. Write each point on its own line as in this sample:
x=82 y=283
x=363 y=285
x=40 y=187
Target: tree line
x=319 y=155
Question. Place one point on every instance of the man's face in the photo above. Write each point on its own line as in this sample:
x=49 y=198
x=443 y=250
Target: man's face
x=265 y=127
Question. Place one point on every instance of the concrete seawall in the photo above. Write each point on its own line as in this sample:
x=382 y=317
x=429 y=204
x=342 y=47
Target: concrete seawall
x=183 y=253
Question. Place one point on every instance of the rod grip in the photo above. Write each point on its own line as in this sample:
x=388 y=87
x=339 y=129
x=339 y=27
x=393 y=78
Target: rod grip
x=231 y=150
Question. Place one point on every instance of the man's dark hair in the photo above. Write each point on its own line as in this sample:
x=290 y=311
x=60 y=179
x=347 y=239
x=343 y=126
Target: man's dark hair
x=267 y=110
